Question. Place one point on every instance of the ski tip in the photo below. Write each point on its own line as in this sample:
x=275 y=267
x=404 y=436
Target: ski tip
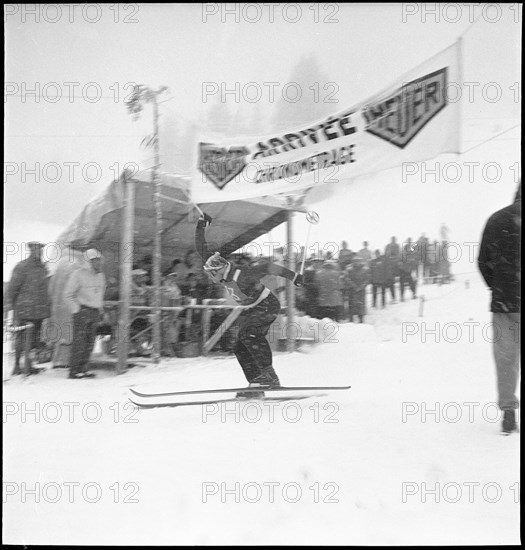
x=135 y=392
x=141 y=405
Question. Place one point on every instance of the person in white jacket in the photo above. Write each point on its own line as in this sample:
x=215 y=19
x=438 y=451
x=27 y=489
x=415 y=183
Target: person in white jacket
x=84 y=292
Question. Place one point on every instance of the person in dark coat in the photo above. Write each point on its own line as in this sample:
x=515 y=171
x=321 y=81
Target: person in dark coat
x=393 y=256
x=433 y=255
x=499 y=261
x=357 y=277
x=330 y=285
x=444 y=264
x=311 y=291
x=28 y=297
x=422 y=249
x=348 y=292
x=378 y=278
x=366 y=254
x=407 y=266
x=390 y=280
x=345 y=255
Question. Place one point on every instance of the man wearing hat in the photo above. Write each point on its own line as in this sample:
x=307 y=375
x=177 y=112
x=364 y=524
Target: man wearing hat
x=84 y=292
x=28 y=297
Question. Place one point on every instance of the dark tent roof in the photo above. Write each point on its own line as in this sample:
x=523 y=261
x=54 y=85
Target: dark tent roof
x=234 y=223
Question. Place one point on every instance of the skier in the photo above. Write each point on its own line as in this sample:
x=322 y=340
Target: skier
x=261 y=309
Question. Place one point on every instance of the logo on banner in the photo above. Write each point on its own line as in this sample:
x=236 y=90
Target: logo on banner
x=221 y=165
x=399 y=117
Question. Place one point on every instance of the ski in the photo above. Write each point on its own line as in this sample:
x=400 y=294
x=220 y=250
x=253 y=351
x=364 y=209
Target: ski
x=228 y=390
x=211 y=402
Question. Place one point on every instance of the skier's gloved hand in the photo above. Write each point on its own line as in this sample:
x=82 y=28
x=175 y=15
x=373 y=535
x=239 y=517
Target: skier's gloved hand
x=298 y=280
x=204 y=220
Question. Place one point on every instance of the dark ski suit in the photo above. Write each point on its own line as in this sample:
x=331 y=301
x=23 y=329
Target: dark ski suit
x=244 y=286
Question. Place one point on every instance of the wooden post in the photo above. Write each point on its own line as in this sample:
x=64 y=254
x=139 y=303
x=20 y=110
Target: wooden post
x=206 y=321
x=126 y=262
x=290 y=289
x=143 y=94
x=158 y=229
x=157 y=255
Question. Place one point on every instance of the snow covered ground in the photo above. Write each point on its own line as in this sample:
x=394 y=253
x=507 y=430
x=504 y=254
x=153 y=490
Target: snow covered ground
x=411 y=454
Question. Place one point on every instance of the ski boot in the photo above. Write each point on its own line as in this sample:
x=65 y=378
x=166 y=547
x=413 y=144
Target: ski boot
x=250 y=394
x=509 y=422
x=77 y=375
x=268 y=378
x=88 y=374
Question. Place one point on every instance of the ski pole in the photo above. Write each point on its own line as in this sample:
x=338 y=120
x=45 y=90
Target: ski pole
x=198 y=209
x=312 y=218
x=193 y=203
x=305 y=249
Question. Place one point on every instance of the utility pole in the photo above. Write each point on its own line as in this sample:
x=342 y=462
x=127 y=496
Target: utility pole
x=126 y=256
x=290 y=289
x=141 y=95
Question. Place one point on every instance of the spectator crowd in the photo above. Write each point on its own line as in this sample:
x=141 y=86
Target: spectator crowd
x=342 y=289
x=79 y=301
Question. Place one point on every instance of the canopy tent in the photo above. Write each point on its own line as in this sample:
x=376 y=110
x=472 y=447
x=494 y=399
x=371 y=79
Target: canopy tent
x=235 y=223
x=106 y=220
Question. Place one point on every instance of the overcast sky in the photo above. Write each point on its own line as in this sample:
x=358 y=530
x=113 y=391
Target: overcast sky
x=362 y=48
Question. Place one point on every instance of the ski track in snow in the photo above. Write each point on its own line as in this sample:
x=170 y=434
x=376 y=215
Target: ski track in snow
x=365 y=457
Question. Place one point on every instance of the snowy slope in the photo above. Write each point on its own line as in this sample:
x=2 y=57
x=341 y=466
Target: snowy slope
x=359 y=465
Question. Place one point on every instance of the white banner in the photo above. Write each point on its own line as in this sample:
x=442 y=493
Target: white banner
x=415 y=119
